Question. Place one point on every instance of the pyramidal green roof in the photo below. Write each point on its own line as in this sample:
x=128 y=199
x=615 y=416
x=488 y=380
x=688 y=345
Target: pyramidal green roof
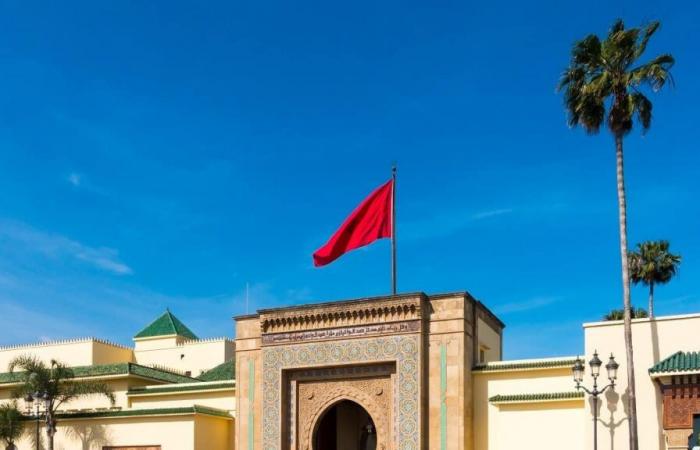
x=166 y=325
x=678 y=362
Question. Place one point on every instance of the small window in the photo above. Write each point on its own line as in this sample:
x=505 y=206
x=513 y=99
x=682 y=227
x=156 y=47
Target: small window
x=482 y=355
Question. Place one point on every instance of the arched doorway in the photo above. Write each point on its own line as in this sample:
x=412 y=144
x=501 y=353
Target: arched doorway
x=345 y=426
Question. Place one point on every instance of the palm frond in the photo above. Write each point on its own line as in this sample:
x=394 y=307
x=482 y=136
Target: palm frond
x=11 y=424
x=649 y=31
x=656 y=73
x=642 y=107
x=587 y=52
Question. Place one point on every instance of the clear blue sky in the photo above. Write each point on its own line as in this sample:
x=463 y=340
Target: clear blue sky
x=163 y=154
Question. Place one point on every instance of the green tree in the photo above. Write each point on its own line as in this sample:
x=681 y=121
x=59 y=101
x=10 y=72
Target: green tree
x=619 y=314
x=606 y=83
x=11 y=425
x=651 y=264
x=53 y=384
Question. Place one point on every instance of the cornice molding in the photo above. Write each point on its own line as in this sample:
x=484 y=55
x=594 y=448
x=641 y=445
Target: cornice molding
x=343 y=314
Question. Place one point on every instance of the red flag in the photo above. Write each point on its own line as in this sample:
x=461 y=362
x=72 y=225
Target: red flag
x=367 y=223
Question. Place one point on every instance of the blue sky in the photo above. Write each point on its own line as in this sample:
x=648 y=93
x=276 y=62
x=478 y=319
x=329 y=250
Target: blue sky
x=163 y=154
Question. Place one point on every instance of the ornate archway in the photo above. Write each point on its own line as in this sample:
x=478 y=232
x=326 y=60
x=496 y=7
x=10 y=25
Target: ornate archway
x=316 y=399
x=344 y=425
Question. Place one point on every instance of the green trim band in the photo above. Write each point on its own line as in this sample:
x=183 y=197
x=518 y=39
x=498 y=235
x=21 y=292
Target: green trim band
x=197 y=409
x=105 y=370
x=550 y=364
x=251 y=399
x=541 y=397
x=178 y=388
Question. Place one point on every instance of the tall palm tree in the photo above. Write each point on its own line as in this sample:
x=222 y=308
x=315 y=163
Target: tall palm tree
x=11 y=426
x=55 y=385
x=653 y=264
x=605 y=82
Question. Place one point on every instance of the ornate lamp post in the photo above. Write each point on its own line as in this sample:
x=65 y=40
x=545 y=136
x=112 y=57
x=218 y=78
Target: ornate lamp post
x=41 y=399
x=595 y=363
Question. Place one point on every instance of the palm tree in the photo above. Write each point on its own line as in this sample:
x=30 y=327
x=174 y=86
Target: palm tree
x=55 y=385
x=653 y=264
x=619 y=314
x=605 y=83
x=11 y=426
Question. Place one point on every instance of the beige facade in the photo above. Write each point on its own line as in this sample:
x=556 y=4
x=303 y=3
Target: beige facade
x=405 y=372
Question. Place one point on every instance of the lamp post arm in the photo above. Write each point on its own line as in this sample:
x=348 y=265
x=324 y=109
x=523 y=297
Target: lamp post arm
x=611 y=385
x=585 y=389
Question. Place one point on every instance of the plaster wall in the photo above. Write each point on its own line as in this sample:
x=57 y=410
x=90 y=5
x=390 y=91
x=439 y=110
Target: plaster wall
x=225 y=400
x=186 y=356
x=110 y=354
x=171 y=432
x=72 y=353
x=539 y=426
x=212 y=433
x=554 y=419
x=489 y=340
x=653 y=340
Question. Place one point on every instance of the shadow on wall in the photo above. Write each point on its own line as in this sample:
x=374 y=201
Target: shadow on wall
x=31 y=432
x=658 y=395
x=89 y=435
x=612 y=402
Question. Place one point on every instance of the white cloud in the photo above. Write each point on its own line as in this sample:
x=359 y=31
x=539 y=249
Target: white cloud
x=446 y=224
x=491 y=213
x=58 y=246
x=526 y=305
x=74 y=178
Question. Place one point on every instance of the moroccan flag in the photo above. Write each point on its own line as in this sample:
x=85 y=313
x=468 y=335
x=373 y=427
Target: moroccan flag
x=370 y=221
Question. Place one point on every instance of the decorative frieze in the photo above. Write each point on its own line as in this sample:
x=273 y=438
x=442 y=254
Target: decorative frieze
x=343 y=314
x=342 y=333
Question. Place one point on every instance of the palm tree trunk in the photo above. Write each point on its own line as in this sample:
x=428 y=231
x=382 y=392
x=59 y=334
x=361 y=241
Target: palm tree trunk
x=622 y=206
x=651 y=300
x=49 y=430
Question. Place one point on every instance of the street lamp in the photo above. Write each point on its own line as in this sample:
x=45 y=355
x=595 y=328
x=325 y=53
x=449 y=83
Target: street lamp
x=29 y=401
x=595 y=363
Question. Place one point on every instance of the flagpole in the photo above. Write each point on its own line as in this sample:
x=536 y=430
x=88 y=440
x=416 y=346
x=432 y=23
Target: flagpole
x=393 y=230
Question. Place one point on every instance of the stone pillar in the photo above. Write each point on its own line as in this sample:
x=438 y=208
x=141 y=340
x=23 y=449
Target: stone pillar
x=677 y=439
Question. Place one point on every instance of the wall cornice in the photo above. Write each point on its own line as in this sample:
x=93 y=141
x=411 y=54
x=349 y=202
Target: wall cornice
x=343 y=314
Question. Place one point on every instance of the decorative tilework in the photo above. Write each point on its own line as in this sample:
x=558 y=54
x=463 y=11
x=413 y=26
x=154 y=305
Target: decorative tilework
x=404 y=350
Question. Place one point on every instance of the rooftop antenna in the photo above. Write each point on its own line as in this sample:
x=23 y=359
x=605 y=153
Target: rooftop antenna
x=247 y=292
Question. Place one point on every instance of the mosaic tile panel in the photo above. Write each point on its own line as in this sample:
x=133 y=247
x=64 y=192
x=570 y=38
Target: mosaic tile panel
x=404 y=350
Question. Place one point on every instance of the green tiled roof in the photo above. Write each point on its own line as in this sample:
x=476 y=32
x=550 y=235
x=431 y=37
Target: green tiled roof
x=196 y=409
x=222 y=372
x=678 y=362
x=179 y=388
x=166 y=325
x=542 y=397
x=112 y=369
x=525 y=365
